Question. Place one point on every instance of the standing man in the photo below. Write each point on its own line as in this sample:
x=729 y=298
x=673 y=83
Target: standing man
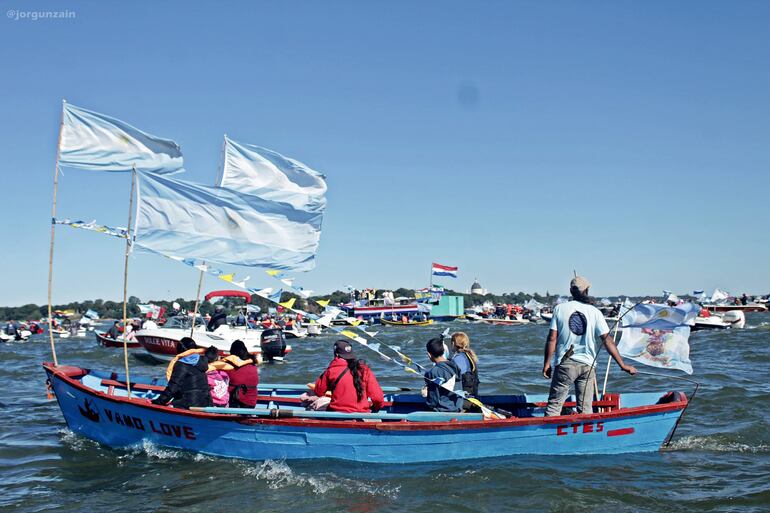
x=575 y=327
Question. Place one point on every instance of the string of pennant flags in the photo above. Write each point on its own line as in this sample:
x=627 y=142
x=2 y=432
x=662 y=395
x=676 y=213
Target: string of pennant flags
x=404 y=361
x=270 y=294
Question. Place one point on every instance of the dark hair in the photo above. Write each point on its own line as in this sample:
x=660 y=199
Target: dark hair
x=212 y=353
x=435 y=347
x=356 y=368
x=581 y=296
x=185 y=345
x=238 y=348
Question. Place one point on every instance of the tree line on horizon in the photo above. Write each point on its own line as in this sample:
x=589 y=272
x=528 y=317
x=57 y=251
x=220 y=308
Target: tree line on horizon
x=114 y=309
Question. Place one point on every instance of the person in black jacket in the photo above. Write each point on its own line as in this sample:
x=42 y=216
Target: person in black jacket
x=114 y=331
x=188 y=385
x=218 y=319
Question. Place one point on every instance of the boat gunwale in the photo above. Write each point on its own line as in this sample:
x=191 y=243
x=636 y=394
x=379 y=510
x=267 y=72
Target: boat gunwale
x=66 y=373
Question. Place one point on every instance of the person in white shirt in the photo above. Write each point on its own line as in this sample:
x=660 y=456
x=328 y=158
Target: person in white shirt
x=571 y=347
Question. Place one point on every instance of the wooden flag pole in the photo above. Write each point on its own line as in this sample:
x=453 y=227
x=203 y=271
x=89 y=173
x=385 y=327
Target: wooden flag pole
x=609 y=358
x=53 y=234
x=129 y=233
x=197 y=301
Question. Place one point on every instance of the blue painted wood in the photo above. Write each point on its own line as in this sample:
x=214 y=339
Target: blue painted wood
x=418 y=416
x=119 y=422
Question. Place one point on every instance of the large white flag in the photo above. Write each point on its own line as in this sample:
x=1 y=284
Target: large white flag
x=666 y=348
x=186 y=220
x=265 y=173
x=719 y=295
x=93 y=141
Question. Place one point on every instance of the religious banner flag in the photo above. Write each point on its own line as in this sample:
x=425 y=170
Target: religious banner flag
x=657 y=335
x=666 y=348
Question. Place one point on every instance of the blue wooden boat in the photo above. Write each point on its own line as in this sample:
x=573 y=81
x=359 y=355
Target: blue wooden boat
x=95 y=405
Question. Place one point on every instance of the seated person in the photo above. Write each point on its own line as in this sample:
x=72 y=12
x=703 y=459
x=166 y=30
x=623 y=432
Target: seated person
x=218 y=319
x=440 y=380
x=114 y=331
x=241 y=367
x=467 y=362
x=188 y=385
x=351 y=382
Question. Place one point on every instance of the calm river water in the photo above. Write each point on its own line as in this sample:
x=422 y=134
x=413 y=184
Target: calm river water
x=720 y=460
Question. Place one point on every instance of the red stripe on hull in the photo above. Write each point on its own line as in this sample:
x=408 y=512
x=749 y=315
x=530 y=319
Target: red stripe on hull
x=620 y=432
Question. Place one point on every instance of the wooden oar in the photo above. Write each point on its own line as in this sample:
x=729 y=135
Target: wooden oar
x=417 y=416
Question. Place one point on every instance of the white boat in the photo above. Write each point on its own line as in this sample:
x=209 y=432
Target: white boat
x=295 y=332
x=20 y=336
x=160 y=343
x=716 y=321
x=313 y=329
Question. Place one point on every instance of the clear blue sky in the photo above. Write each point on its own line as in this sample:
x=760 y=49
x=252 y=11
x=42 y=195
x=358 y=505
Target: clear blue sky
x=516 y=140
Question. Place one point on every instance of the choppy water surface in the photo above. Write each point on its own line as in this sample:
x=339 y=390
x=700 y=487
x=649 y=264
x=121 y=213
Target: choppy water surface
x=720 y=460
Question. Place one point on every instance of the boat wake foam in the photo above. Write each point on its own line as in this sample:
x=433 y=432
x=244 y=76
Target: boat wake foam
x=715 y=443
x=279 y=475
x=76 y=442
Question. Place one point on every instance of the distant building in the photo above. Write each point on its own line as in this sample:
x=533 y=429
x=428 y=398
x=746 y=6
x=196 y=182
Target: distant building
x=476 y=288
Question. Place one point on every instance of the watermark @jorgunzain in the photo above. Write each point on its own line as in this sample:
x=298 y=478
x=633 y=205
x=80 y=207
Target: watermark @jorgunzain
x=17 y=15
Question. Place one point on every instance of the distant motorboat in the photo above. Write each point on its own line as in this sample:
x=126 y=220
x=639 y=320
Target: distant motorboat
x=161 y=343
x=106 y=341
x=20 y=336
x=731 y=319
x=751 y=307
x=504 y=322
x=407 y=323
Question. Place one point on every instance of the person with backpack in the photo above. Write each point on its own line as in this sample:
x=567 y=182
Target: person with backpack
x=241 y=369
x=467 y=361
x=188 y=383
x=440 y=380
x=351 y=383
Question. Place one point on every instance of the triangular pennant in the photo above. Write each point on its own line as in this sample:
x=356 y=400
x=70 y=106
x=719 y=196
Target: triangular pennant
x=275 y=297
x=288 y=304
x=323 y=302
x=273 y=273
x=287 y=281
x=227 y=277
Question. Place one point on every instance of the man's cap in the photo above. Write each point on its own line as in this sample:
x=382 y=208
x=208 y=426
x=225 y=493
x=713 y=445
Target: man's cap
x=580 y=282
x=344 y=350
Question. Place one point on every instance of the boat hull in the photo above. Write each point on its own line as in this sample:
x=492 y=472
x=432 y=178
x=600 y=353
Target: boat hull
x=406 y=324
x=120 y=422
x=106 y=341
x=160 y=343
x=744 y=308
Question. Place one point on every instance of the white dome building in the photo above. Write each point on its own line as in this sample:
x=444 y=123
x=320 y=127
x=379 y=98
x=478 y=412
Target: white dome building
x=476 y=288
